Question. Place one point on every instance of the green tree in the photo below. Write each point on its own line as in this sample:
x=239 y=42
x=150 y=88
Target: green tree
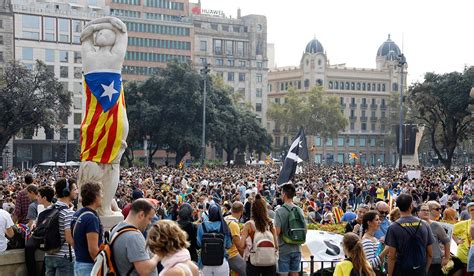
x=318 y=113
x=30 y=99
x=442 y=103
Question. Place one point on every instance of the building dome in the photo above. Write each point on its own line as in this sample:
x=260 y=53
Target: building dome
x=389 y=50
x=314 y=46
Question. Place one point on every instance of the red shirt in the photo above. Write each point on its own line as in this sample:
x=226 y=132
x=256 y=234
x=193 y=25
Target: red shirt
x=21 y=206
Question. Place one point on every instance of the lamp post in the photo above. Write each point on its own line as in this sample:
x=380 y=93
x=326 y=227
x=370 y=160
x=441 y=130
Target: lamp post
x=401 y=63
x=204 y=72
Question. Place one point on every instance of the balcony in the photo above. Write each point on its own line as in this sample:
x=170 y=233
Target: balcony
x=373 y=119
x=373 y=106
x=352 y=118
x=363 y=106
x=383 y=107
x=363 y=118
x=353 y=105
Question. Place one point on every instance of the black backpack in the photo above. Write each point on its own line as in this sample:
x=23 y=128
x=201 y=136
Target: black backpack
x=212 y=247
x=413 y=256
x=47 y=230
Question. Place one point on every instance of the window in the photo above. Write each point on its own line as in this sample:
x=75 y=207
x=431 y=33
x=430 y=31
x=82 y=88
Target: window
x=77 y=87
x=31 y=21
x=1 y=24
x=394 y=86
x=63 y=131
x=240 y=48
x=230 y=62
x=351 y=142
x=340 y=141
x=352 y=126
x=63 y=72
x=317 y=141
x=259 y=78
x=383 y=87
x=63 y=25
x=372 y=127
x=230 y=76
x=258 y=93
x=317 y=159
x=378 y=87
x=352 y=86
x=27 y=53
x=214 y=27
x=353 y=101
x=362 y=141
x=77 y=118
x=383 y=102
x=358 y=86
x=49 y=55
x=368 y=87
x=341 y=100
x=347 y=85
x=363 y=126
x=1 y=59
x=78 y=72
x=363 y=86
x=340 y=158
x=218 y=47
x=258 y=107
x=203 y=61
x=229 y=48
x=260 y=66
x=76 y=26
x=63 y=56
x=330 y=85
x=203 y=46
x=328 y=141
x=241 y=76
x=77 y=103
x=219 y=61
x=364 y=101
x=277 y=100
x=336 y=85
x=1 y=39
x=77 y=57
x=352 y=113
x=306 y=83
x=242 y=63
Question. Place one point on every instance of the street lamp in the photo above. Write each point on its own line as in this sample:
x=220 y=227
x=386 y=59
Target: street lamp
x=401 y=63
x=204 y=72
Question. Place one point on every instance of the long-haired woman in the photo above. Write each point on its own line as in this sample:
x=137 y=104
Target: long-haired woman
x=259 y=223
x=371 y=245
x=356 y=260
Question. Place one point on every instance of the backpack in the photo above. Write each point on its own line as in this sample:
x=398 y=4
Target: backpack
x=262 y=252
x=104 y=263
x=47 y=230
x=212 y=247
x=296 y=233
x=413 y=257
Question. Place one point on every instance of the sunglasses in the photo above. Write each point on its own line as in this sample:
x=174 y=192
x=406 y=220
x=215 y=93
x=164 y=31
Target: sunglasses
x=424 y=210
x=383 y=213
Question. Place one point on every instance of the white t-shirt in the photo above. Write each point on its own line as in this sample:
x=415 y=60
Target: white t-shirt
x=5 y=222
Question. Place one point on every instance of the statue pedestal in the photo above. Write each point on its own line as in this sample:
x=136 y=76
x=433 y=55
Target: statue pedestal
x=110 y=221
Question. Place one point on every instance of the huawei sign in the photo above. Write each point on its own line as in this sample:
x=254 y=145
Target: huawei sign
x=196 y=10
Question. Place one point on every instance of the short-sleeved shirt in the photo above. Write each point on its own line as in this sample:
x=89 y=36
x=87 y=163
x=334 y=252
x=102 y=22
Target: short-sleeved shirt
x=461 y=231
x=234 y=231
x=32 y=211
x=88 y=223
x=281 y=221
x=439 y=238
x=65 y=218
x=128 y=248
x=343 y=268
x=380 y=193
x=397 y=237
x=5 y=223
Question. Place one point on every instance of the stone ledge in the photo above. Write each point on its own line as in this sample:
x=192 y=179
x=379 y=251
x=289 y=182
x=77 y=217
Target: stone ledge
x=12 y=262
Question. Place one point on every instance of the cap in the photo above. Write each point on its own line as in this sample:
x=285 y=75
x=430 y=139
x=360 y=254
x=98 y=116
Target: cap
x=470 y=204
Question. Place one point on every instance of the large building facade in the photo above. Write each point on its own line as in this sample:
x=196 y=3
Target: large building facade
x=236 y=49
x=50 y=31
x=364 y=95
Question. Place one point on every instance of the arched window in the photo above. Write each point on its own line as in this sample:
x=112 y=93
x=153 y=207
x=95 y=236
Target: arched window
x=330 y=84
x=347 y=85
x=319 y=62
x=306 y=83
x=394 y=86
x=352 y=86
x=373 y=86
x=368 y=86
x=336 y=85
x=363 y=86
x=383 y=87
x=342 y=85
x=319 y=82
x=378 y=87
x=358 y=86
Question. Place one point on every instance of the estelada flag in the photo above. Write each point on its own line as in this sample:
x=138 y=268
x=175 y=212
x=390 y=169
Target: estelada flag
x=102 y=125
x=338 y=213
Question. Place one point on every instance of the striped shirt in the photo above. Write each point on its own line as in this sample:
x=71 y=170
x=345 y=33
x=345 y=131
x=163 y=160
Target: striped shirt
x=65 y=218
x=370 y=250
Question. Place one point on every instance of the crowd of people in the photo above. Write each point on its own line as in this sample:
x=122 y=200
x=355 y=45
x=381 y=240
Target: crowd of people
x=225 y=220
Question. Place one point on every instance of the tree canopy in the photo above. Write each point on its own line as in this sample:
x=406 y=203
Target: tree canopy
x=167 y=108
x=318 y=113
x=30 y=99
x=443 y=104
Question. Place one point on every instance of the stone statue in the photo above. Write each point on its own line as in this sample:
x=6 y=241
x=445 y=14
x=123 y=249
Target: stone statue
x=104 y=127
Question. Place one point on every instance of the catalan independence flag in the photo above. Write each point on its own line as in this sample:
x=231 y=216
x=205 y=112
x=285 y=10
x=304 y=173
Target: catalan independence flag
x=390 y=199
x=338 y=213
x=102 y=125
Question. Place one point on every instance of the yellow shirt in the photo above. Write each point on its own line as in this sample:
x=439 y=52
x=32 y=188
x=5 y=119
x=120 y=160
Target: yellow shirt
x=461 y=231
x=234 y=231
x=343 y=268
x=380 y=192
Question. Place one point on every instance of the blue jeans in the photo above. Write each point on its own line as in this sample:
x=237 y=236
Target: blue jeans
x=58 y=266
x=289 y=262
x=82 y=269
